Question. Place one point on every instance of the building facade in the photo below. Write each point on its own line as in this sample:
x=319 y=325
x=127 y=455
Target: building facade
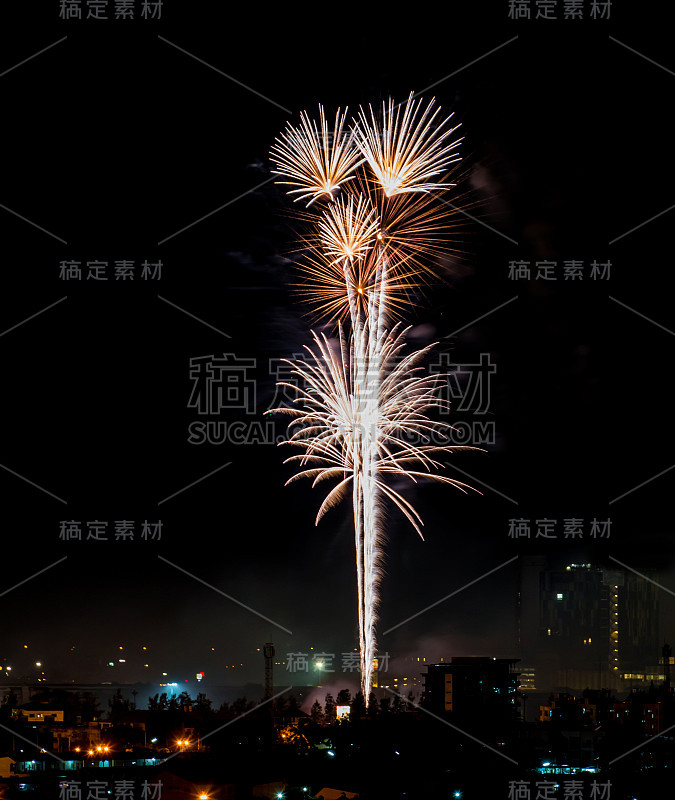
x=582 y=626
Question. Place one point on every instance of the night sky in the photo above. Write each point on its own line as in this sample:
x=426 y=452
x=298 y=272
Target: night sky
x=115 y=140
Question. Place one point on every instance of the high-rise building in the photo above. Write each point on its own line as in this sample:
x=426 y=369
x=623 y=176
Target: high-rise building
x=583 y=626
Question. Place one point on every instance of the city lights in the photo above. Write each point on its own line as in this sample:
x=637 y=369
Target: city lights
x=408 y=312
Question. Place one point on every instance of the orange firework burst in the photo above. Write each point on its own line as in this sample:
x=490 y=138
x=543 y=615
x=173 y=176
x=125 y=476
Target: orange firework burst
x=316 y=161
x=348 y=229
x=404 y=149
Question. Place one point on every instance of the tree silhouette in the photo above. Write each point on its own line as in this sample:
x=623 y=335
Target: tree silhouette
x=241 y=705
x=329 y=709
x=344 y=697
x=202 y=705
x=358 y=709
x=398 y=705
x=316 y=713
x=118 y=704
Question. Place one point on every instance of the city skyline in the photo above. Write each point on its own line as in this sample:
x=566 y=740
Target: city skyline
x=149 y=302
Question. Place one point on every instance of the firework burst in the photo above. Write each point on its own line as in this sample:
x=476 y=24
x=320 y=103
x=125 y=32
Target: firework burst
x=315 y=160
x=403 y=148
x=361 y=416
x=329 y=425
x=348 y=229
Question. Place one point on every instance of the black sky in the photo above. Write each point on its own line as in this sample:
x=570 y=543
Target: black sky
x=115 y=140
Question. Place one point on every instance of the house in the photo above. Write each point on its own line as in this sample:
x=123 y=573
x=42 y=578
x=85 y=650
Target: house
x=41 y=712
x=6 y=766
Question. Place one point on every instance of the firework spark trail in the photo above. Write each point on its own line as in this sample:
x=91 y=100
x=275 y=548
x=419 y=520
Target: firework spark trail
x=404 y=150
x=372 y=530
x=315 y=162
x=362 y=405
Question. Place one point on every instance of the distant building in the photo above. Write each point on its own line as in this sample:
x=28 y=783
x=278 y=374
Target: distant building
x=644 y=711
x=41 y=712
x=406 y=676
x=563 y=707
x=6 y=766
x=472 y=687
x=583 y=626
